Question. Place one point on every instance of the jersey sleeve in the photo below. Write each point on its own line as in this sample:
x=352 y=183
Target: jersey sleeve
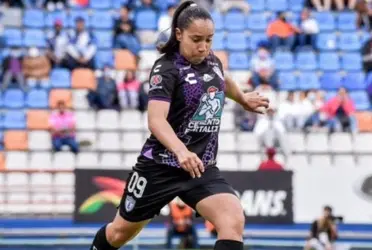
x=220 y=65
x=163 y=80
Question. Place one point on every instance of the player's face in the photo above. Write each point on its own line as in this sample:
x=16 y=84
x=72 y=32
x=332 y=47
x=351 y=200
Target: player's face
x=196 y=40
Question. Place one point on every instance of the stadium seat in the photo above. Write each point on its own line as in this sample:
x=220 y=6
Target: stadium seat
x=284 y=60
x=361 y=143
x=14 y=120
x=146 y=19
x=297 y=142
x=360 y=99
x=255 y=39
x=276 y=5
x=257 y=22
x=236 y=41
x=329 y=61
x=219 y=41
x=110 y=160
x=317 y=143
x=222 y=55
x=83 y=79
x=287 y=81
x=257 y=5
x=147 y=38
x=129 y=160
x=227 y=142
x=64 y=182
x=41 y=203
x=39 y=140
x=306 y=60
x=326 y=41
x=75 y=14
x=99 y=4
x=15 y=140
x=320 y=161
x=297 y=162
x=40 y=161
x=227 y=162
x=241 y=77
x=103 y=58
x=218 y=20
x=151 y=56
x=296 y=5
x=60 y=78
x=63 y=161
x=125 y=60
x=347 y=21
x=354 y=81
x=326 y=21
x=37 y=98
x=364 y=161
x=104 y=39
x=17 y=181
x=330 y=81
x=16 y=201
x=13 y=37
x=234 y=21
x=247 y=142
x=349 y=41
x=102 y=20
x=37 y=120
x=250 y=162
x=79 y=98
x=91 y=137
x=34 y=38
x=109 y=141
x=53 y=16
x=108 y=120
x=132 y=141
x=308 y=81
x=16 y=160
x=13 y=99
x=228 y=123
x=12 y=17
x=85 y=120
x=340 y=143
x=33 y=18
x=239 y=61
x=344 y=162
x=118 y=3
x=57 y=95
x=131 y=120
x=2 y=166
x=364 y=121
x=351 y=61
x=87 y=160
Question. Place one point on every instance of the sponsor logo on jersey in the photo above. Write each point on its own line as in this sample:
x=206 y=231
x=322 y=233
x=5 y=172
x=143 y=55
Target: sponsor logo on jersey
x=207 y=117
x=207 y=77
x=155 y=81
x=130 y=202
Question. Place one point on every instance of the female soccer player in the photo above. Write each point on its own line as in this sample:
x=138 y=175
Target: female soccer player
x=186 y=98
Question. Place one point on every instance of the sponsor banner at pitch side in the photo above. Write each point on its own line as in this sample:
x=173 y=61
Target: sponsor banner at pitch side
x=266 y=197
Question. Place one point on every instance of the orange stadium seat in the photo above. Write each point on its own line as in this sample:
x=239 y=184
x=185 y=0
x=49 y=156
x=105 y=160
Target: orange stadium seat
x=364 y=121
x=83 y=79
x=57 y=95
x=2 y=162
x=125 y=60
x=15 y=140
x=38 y=119
x=222 y=55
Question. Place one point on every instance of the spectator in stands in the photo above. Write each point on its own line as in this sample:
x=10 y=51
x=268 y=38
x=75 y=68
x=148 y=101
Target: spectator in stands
x=225 y=6
x=79 y=3
x=13 y=3
x=52 y=5
x=281 y=32
x=62 y=126
x=81 y=48
x=367 y=56
x=2 y=38
x=317 y=119
x=340 y=4
x=105 y=96
x=182 y=225
x=270 y=163
x=340 y=112
x=305 y=109
x=127 y=39
x=122 y=20
x=287 y=112
x=12 y=68
x=147 y=4
x=129 y=91
x=143 y=96
x=57 y=42
x=309 y=29
x=33 y=4
x=243 y=119
x=36 y=68
x=165 y=23
x=269 y=92
x=263 y=68
x=364 y=10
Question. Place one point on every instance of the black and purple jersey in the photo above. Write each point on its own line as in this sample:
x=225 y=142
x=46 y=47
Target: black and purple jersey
x=196 y=95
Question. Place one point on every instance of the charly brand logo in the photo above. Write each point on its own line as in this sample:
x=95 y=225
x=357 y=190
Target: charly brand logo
x=363 y=187
x=207 y=117
x=112 y=192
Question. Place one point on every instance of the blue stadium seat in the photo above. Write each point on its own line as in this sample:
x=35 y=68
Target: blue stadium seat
x=329 y=95
x=349 y=41
x=257 y=5
x=351 y=61
x=329 y=61
x=162 y=5
x=14 y=119
x=256 y=38
x=360 y=99
x=308 y=81
x=99 y=4
x=326 y=21
x=104 y=39
x=296 y=5
x=13 y=98
x=1 y=134
x=51 y=17
x=347 y=21
x=102 y=20
x=118 y=3
x=78 y=13
x=257 y=22
x=287 y=81
x=284 y=60
x=354 y=81
x=219 y=41
x=306 y=60
x=236 y=41
x=60 y=78
x=326 y=41
x=13 y=37
x=218 y=20
x=239 y=61
x=330 y=81
x=103 y=58
x=146 y=19
x=37 y=98
x=35 y=38
x=234 y=21
x=33 y=18
x=294 y=18
x=364 y=37
x=276 y=5
x=1 y=100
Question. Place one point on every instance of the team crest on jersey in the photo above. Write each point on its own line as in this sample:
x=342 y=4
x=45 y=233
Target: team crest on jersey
x=130 y=202
x=155 y=81
x=207 y=117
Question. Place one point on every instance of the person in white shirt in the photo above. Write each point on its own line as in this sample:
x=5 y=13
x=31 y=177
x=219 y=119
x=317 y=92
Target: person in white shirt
x=57 y=44
x=287 y=111
x=309 y=29
x=164 y=25
x=263 y=67
x=305 y=109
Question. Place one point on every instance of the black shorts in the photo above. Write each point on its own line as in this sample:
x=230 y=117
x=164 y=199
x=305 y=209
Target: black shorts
x=150 y=188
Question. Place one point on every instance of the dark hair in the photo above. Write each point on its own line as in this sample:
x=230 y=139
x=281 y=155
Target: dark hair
x=183 y=16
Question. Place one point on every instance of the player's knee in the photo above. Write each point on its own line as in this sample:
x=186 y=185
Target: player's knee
x=231 y=226
x=117 y=235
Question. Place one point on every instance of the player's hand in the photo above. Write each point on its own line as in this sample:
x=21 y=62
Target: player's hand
x=254 y=102
x=190 y=162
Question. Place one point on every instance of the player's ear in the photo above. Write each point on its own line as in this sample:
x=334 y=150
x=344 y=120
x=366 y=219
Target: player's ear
x=178 y=34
